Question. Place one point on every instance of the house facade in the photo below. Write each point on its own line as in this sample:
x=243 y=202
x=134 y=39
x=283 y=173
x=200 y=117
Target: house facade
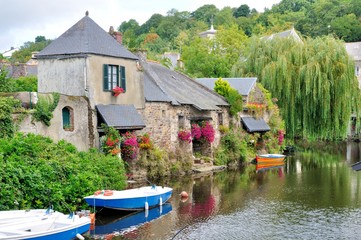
x=175 y=102
x=354 y=50
x=86 y=64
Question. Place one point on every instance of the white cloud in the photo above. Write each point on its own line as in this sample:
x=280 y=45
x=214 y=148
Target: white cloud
x=23 y=21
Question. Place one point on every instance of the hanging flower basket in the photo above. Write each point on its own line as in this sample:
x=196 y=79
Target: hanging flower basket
x=117 y=90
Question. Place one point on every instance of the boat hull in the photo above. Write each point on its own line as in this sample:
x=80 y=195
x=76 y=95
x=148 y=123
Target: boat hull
x=56 y=226
x=270 y=158
x=132 y=199
x=356 y=166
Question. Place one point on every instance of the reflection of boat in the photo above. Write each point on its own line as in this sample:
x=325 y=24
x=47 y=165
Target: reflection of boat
x=131 y=220
x=270 y=165
x=270 y=158
x=356 y=166
x=130 y=199
x=51 y=226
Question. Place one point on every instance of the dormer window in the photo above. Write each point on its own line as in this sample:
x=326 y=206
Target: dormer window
x=113 y=76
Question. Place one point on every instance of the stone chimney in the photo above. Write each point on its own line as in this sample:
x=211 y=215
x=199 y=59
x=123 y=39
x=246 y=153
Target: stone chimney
x=117 y=35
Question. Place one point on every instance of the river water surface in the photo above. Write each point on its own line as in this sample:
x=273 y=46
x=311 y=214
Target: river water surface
x=315 y=195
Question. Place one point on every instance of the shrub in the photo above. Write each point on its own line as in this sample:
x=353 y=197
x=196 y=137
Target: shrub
x=45 y=107
x=36 y=172
x=185 y=136
x=7 y=107
x=111 y=140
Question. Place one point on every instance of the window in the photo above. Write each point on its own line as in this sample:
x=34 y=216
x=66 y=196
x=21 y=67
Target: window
x=113 y=75
x=68 y=119
x=357 y=71
x=181 y=122
x=220 y=119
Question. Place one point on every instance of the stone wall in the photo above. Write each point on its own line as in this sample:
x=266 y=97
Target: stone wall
x=163 y=121
x=81 y=134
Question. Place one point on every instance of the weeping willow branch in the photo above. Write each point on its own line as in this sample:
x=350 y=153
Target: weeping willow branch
x=314 y=82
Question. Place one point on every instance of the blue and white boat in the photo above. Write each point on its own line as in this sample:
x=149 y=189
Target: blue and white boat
x=35 y=225
x=130 y=199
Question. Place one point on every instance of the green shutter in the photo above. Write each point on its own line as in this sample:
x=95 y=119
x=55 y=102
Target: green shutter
x=122 y=77
x=66 y=117
x=105 y=78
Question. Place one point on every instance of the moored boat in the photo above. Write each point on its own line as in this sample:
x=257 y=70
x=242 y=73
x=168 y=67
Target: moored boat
x=130 y=199
x=270 y=158
x=52 y=226
x=356 y=166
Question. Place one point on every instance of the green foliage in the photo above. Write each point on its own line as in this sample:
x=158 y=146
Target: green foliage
x=25 y=52
x=25 y=84
x=45 y=107
x=36 y=172
x=5 y=82
x=234 y=99
x=111 y=140
x=7 y=107
x=313 y=81
x=155 y=161
x=232 y=148
x=21 y=84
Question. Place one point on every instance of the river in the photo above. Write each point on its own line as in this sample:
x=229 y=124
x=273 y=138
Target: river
x=315 y=195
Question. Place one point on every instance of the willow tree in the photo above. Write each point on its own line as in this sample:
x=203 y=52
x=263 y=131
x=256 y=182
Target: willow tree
x=314 y=82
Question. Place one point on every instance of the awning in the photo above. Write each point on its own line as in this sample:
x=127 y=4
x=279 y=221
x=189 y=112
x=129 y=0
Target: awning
x=120 y=116
x=252 y=124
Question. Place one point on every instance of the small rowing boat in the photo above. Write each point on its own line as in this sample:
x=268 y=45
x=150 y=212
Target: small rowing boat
x=130 y=199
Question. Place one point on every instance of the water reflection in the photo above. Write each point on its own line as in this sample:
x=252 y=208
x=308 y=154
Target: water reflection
x=315 y=195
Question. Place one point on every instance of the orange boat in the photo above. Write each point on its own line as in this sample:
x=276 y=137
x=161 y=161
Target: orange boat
x=270 y=159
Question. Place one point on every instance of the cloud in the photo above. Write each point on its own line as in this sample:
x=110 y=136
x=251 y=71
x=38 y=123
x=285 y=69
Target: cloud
x=23 y=21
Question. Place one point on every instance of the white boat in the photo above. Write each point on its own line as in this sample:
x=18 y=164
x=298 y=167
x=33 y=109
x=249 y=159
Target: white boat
x=34 y=224
x=16 y=216
x=130 y=199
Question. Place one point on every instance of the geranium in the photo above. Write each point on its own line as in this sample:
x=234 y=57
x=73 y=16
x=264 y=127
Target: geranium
x=117 y=90
x=185 y=135
x=145 y=142
x=129 y=146
x=208 y=132
x=110 y=140
x=196 y=131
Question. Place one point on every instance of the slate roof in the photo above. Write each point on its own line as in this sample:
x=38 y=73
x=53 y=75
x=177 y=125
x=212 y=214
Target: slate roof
x=243 y=85
x=86 y=37
x=164 y=85
x=120 y=116
x=255 y=125
x=285 y=34
x=354 y=50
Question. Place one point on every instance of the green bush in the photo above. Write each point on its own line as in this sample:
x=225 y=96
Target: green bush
x=45 y=107
x=232 y=148
x=36 y=172
x=7 y=107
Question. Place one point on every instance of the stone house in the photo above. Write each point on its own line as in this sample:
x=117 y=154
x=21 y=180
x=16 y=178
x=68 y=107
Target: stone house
x=85 y=64
x=173 y=102
x=250 y=95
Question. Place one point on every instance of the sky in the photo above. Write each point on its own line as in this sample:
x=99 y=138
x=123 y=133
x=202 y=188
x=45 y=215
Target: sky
x=24 y=20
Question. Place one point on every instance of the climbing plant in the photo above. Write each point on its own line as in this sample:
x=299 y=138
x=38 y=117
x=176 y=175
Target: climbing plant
x=45 y=107
x=222 y=87
x=7 y=107
x=314 y=83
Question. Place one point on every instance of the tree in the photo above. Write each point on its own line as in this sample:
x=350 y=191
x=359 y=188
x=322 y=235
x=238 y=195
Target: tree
x=314 y=82
x=40 y=39
x=205 y=13
x=214 y=57
x=242 y=11
x=132 y=24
